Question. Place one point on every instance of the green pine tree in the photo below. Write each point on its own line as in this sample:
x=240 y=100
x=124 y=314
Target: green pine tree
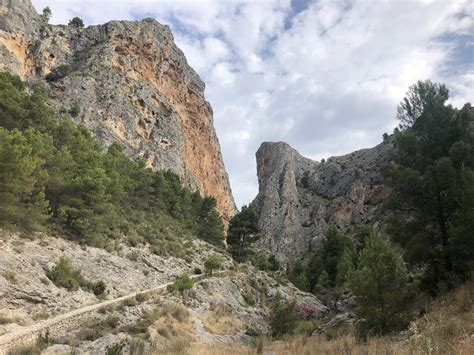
x=428 y=177
x=380 y=284
x=243 y=230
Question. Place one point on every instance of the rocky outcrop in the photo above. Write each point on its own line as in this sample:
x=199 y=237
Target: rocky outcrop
x=300 y=198
x=127 y=82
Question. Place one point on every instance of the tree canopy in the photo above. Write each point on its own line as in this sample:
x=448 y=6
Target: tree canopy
x=432 y=181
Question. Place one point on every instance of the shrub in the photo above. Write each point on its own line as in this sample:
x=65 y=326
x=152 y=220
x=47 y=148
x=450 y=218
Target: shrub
x=307 y=311
x=175 y=310
x=130 y=302
x=76 y=22
x=266 y=262
x=98 y=287
x=75 y=110
x=212 y=263
x=182 y=283
x=140 y=297
x=249 y=298
x=58 y=72
x=10 y=276
x=112 y=321
x=197 y=271
x=305 y=327
x=115 y=349
x=283 y=317
x=63 y=274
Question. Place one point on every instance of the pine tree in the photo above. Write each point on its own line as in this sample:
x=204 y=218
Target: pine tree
x=243 y=230
x=428 y=177
x=380 y=284
x=344 y=268
x=22 y=198
x=46 y=15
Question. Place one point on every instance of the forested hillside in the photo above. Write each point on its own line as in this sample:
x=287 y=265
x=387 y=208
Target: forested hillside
x=54 y=177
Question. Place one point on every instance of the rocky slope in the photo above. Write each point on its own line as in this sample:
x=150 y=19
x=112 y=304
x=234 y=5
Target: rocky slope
x=226 y=309
x=300 y=198
x=127 y=82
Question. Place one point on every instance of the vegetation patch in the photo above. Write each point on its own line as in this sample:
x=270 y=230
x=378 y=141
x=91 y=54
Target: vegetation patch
x=183 y=282
x=221 y=320
x=59 y=179
x=63 y=274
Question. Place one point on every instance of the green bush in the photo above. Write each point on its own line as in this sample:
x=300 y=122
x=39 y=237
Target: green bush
x=10 y=276
x=284 y=317
x=182 y=283
x=98 y=287
x=58 y=72
x=115 y=349
x=130 y=302
x=76 y=22
x=212 y=263
x=63 y=274
x=266 y=262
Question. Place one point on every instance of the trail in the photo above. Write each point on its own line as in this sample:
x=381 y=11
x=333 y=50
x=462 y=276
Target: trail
x=62 y=323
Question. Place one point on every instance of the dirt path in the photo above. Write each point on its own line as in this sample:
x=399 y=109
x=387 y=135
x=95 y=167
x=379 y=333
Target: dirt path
x=60 y=324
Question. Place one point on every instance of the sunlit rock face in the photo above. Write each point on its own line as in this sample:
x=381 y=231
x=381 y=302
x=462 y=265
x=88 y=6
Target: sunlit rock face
x=128 y=82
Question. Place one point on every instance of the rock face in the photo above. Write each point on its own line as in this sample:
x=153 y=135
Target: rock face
x=300 y=198
x=127 y=82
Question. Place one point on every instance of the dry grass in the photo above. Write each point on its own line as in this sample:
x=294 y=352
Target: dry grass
x=447 y=328
x=172 y=325
x=222 y=320
x=199 y=349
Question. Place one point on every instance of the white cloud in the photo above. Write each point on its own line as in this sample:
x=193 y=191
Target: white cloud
x=326 y=80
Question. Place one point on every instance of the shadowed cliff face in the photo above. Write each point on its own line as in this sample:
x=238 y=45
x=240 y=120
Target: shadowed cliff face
x=299 y=198
x=128 y=82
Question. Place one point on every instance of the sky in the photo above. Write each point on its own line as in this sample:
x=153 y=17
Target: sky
x=325 y=76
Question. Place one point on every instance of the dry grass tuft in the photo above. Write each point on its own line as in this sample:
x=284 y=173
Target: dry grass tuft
x=222 y=320
x=172 y=327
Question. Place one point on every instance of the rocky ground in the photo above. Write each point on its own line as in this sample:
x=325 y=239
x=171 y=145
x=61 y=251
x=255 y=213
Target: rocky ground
x=226 y=309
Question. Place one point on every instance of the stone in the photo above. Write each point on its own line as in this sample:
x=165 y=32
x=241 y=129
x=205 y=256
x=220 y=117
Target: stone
x=299 y=198
x=340 y=319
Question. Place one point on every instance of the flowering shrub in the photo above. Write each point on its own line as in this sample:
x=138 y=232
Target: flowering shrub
x=307 y=311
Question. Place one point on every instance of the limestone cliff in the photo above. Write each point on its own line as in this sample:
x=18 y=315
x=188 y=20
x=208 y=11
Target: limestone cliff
x=127 y=82
x=299 y=198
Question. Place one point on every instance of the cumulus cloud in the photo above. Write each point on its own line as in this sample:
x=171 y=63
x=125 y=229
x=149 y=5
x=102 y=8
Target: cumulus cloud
x=324 y=76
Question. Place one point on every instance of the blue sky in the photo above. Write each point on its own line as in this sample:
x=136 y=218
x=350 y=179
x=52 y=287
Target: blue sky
x=323 y=75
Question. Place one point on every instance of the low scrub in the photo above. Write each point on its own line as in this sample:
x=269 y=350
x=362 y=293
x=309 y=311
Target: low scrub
x=182 y=283
x=63 y=274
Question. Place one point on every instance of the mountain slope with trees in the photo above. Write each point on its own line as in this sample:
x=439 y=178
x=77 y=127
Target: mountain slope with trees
x=54 y=176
